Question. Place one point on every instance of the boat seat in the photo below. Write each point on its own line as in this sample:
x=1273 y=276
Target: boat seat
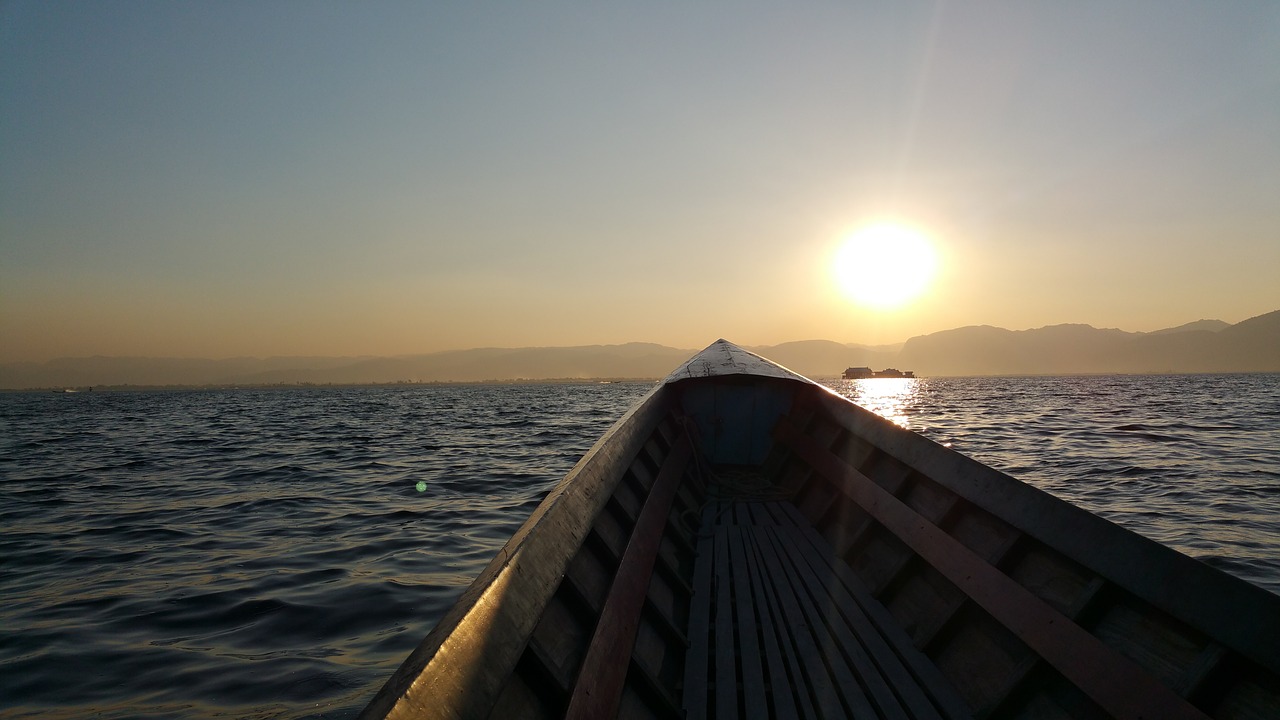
x=780 y=628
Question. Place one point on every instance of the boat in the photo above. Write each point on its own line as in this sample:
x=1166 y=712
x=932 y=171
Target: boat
x=866 y=373
x=895 y=373
x=745 y=543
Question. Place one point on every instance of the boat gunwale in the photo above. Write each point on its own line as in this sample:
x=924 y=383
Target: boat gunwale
x=1178 y=584
x=528 y=568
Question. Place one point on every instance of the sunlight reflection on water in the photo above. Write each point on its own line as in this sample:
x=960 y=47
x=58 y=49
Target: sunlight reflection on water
x=890 y=398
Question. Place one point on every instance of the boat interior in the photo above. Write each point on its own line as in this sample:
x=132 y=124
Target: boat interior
x=747 y=548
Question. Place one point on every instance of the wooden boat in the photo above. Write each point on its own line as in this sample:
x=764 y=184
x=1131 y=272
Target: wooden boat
x=744 y=543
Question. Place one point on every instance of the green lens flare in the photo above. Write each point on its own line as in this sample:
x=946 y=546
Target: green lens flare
x=422 y=486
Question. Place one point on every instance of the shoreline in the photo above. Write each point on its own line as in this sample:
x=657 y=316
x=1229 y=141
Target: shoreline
x=88 y=389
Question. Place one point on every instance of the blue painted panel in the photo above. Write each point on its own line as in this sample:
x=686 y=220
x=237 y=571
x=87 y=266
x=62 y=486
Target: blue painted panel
x=699 y=403
x=772 y=402
x=735 y=420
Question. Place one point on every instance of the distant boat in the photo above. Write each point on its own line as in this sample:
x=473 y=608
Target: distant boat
x=864 y=373
x=66 y=390
x=895 y=373
x=858 y=373
x=745 y=543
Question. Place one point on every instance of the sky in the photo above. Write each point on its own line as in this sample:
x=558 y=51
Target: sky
x=319 y=178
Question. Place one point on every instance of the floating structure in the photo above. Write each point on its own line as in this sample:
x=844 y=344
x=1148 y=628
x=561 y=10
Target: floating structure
x=744 y=543
x=863 y=373
x=858 y=373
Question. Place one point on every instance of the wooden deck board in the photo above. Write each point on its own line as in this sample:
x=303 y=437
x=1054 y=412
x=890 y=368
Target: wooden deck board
x=806 y=614
x=790 y=639
x=725 y=657
x=784 y=703
x=886 y=627
x=797 y=635
x=877 y=662
x=753 y=678
x=696 y=660
x=794 y=666
x=853 y=638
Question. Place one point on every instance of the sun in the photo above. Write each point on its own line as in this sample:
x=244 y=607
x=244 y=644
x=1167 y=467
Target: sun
x=884 y=266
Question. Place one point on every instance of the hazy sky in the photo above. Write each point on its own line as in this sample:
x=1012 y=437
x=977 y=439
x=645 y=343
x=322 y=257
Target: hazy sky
x=278 y=178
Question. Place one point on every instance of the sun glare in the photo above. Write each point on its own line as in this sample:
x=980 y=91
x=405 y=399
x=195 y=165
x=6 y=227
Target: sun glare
x=884 y=266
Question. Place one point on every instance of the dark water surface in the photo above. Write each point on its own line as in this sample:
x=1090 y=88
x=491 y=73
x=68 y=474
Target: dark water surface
x=268 y=554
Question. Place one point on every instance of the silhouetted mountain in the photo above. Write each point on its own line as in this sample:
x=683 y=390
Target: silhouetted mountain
x=1249 y=346
x=1252 y=345
x=1209 y=325
x=632 y=360
x=1202 y=346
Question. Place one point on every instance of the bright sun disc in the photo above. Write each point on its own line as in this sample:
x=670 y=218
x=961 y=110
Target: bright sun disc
x=884 y=266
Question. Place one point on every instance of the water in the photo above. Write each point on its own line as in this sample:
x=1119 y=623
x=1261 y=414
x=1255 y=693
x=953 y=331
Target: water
x=257 y=553
x=1191 y=461
x=267 y=553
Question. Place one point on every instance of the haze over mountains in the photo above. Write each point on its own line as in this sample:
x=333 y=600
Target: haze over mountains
x=1202 y=346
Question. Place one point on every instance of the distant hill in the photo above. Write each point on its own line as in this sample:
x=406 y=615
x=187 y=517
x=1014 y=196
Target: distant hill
x=1202 y=346
x=1209 y=325
x=632 y=360
x=1249 y=346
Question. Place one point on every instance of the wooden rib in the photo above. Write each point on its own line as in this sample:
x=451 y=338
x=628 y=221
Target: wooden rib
x=654 y=688
x=1209 y=660
x=1110 y=679
x=926 y=638
x=670 y=568
x=817 y=499
x=898 y=573
x=1023 y=671
x=1087 y=597
x=849 y=536
x=599 y=686
x=666 y=626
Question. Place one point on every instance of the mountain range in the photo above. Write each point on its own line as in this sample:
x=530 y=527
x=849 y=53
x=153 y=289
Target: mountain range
x=1202 y=346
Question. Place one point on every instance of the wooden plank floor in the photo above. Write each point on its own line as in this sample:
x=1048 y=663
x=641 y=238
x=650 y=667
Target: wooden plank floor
x=780 y=628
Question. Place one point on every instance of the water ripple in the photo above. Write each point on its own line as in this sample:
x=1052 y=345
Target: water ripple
x=257 y=553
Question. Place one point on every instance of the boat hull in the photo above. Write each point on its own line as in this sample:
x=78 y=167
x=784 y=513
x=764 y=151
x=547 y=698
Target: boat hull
x=745 y=543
